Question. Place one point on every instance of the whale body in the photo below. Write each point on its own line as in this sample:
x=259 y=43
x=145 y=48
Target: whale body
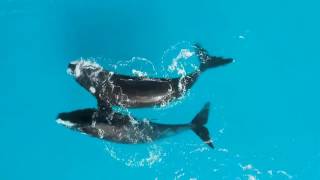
x=135 y=92
x=120 y=128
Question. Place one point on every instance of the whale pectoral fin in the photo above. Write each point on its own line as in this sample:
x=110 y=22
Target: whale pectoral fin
x=104 y=111
x=104 y=106
x=107 y=115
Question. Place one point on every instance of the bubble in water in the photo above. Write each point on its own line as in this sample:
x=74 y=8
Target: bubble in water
x=146 y=157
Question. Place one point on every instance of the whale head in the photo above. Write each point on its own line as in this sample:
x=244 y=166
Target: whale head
x=83 y=121
x=87 y=73
x=83 y=68
x=76 y=119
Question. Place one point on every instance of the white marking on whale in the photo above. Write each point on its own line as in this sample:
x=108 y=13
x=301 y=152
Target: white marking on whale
x=92 y=90
x=65 y=123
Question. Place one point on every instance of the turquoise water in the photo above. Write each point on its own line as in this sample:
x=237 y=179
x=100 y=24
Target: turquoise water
x=265 y=107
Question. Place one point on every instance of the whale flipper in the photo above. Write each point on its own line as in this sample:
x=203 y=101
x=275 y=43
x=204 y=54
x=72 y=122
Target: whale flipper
x=198 y=122
x=207 y=61
x=104 y=106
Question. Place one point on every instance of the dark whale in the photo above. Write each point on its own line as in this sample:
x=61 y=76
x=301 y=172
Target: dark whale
x=133 y=91
x=120 y=128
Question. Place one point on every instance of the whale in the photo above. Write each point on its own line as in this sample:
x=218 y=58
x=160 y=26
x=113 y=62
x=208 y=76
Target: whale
x=112 y=89
x=121 y=128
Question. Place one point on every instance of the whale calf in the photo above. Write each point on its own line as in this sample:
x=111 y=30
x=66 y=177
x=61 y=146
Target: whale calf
x=120 y=128
x=133 y=91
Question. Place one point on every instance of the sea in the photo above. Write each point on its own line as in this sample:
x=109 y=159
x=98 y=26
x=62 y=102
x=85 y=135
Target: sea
x=264 y=117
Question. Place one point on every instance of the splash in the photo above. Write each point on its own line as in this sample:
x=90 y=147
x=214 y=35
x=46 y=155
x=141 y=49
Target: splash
x=83 y=64
x=175 y=66
x=148 y=157
x=137 y=66
x=139 y=73
x=179 y=174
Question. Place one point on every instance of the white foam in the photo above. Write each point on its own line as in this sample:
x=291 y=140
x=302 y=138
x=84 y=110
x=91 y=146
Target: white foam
x=183 y=54
x=77 y=71
x=251 y=177
x=92 y=90
x=284 y=173
x=139 y=73
x=65 y=123
x=179 y=173
x=101 y=133
x=223 y=150
x=186 y=53
x=153 y=156
x=241 y=37
x=83 y=64
x=221 y=131
x=69 y=71
x=200 y=149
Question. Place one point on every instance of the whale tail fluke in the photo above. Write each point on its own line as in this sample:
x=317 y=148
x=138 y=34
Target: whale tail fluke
x=207 y=61
x=198 y=122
